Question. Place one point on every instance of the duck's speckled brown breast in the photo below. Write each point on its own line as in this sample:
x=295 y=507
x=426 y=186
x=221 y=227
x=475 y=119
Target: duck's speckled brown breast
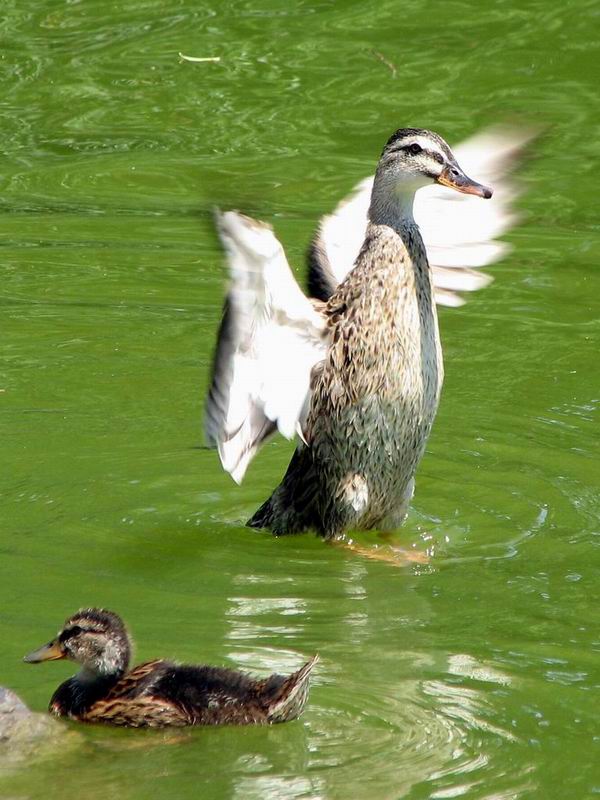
x=376 y=395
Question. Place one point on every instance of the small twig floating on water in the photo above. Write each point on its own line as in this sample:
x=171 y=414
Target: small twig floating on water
x=214 y=59
x=390 y=65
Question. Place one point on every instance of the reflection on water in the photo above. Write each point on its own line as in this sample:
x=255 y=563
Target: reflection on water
x=362 y=720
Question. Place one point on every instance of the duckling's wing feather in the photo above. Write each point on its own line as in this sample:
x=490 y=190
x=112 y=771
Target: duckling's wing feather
x=270 y=339
x=138 y=679
x=460 y=231
x=133 y=702
x=144 y=711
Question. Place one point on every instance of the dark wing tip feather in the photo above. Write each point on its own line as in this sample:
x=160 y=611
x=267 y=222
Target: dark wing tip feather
x=321 y=284
x=215 y=409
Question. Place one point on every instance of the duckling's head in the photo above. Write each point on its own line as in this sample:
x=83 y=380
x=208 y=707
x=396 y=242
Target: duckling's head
x=413 y=158
x=94 y=638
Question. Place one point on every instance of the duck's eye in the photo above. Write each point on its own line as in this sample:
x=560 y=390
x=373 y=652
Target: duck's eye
x=415 y=149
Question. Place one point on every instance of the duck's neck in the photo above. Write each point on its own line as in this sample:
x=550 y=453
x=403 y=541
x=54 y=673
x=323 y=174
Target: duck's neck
x=392 y=203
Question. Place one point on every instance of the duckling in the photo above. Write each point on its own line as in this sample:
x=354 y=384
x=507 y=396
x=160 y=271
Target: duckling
x=159 y=693
x=356 y=372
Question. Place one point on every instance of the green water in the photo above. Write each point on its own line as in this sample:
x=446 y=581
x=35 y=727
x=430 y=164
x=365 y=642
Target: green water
x=475 y=675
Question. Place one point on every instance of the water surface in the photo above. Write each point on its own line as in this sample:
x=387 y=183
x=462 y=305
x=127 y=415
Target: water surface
x=475 y=674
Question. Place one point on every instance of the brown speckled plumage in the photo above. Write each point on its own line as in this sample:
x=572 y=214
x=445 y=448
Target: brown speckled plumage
x=160 y=693
x=374 y=397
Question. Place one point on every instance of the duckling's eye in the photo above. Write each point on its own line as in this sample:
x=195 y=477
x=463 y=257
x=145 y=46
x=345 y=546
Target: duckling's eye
x=415 y=149
x=75 y=630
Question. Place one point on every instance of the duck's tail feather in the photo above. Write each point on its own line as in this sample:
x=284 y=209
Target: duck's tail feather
x=286 y=697
x=290 y=509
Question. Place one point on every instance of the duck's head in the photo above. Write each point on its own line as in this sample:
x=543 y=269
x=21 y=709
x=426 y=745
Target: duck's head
x=94 y=638
x=414 y=157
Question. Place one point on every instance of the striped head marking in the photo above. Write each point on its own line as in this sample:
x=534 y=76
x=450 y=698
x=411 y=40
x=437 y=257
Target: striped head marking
x=94 y=638
x=415 y=157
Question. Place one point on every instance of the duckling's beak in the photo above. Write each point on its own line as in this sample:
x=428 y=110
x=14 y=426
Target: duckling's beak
x=49 y=652
x=453 y=177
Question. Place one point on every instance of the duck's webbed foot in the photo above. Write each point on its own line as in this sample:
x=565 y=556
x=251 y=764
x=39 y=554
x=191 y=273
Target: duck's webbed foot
x=391 y=554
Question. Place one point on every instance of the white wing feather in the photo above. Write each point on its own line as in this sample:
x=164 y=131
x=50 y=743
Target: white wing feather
x=274 y=337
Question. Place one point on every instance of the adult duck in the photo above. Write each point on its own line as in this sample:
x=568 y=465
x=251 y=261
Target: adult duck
x=356 y=372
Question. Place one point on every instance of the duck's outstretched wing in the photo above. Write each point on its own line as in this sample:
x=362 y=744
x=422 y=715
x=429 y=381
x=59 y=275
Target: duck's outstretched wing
x=460 y=232
x=270 y=338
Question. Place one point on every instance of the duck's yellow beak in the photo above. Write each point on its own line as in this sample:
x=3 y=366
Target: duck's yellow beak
x=49 y=652
x=453 y=177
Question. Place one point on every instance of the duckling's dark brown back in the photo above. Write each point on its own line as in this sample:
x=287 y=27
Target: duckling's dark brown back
x=212 y=695
x=218 y=696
